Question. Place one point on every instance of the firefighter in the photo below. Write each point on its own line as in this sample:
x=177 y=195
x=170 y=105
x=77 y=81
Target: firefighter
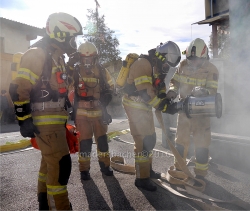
x=198 y=77
x=39 y=94
x=93 y=92
x=144 y=89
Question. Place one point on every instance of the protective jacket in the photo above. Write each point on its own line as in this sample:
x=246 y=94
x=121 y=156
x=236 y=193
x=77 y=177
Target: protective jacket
x=91 y=91
x=184 y=80
x=141 y=95
x=38 y=85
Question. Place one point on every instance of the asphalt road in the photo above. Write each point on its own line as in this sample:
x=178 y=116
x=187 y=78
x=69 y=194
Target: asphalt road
x=19 y=171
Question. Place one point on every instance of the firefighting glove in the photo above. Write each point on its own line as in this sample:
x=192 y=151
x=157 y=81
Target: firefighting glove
x=168 y=106
x=106 y=97
x=161 y=95
x=25 y=121
x=199 y=92
x=171 y=95
x=106 y=118
x=27 y=128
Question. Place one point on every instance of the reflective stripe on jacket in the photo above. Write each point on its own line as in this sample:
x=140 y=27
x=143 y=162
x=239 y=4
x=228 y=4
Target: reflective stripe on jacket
x=49 y=119
x=28 y=75
x=140 y=74
x=139 y=105
x=89 y=113
x=185 y=79
x=91 y=86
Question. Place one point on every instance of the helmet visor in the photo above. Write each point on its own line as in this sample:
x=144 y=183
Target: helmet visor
x=172 y=59
x=165 y=68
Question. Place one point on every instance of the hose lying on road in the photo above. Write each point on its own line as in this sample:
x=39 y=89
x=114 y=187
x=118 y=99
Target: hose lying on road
x=10 y=146
x=119 y=164
x=183 y=177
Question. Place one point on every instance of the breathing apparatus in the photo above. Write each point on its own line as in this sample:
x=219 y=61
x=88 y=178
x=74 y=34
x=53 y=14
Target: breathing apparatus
x=86 y=58
x=159 y=81
x=165 y=56
x=88 y=55
x=168 y=55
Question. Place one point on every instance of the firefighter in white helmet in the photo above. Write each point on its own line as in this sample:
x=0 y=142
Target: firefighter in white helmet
x=93 y=92
x=198 y=77
x=145 y=89
x=39 y=94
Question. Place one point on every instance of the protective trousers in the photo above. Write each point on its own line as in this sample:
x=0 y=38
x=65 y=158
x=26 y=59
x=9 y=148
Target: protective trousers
x=200 y=129
x=142 y=129
x=55 y=167
x=89 y=126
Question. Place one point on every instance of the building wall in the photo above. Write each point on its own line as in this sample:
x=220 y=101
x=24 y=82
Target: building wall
x=219 y=6
x=14 y=40
x=5 y=72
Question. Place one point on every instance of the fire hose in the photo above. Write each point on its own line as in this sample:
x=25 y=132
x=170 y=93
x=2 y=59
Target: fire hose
x=183 y=177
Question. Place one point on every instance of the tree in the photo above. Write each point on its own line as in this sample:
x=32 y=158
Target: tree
x=99 y=34
x=223 y=36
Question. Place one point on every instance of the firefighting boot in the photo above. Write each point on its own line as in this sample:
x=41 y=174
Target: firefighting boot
x=43 y=202
x=155 y=175
x=85 y=175
x=145 y=184
x=106 y=170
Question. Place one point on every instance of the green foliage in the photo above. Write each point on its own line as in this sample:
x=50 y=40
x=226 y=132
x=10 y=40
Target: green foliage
x=102 y=37
x=223 y=36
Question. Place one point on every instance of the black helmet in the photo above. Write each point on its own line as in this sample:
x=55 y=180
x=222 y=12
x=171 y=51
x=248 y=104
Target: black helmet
x=169 y=53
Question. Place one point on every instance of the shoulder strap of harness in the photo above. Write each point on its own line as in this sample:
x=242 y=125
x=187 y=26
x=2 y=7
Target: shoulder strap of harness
x=76 y=76
x=47 y=68
x=46 y=73
x=103 y=82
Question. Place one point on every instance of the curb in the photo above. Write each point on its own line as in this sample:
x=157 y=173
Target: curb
x=117 y=133
x=24 y=143
x=225 y=137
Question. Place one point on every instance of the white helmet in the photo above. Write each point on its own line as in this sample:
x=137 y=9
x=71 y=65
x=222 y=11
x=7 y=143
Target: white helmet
x=88 y=54
x=87 y=49
x=196 y=54
x=61 y=25
x=197 y=49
